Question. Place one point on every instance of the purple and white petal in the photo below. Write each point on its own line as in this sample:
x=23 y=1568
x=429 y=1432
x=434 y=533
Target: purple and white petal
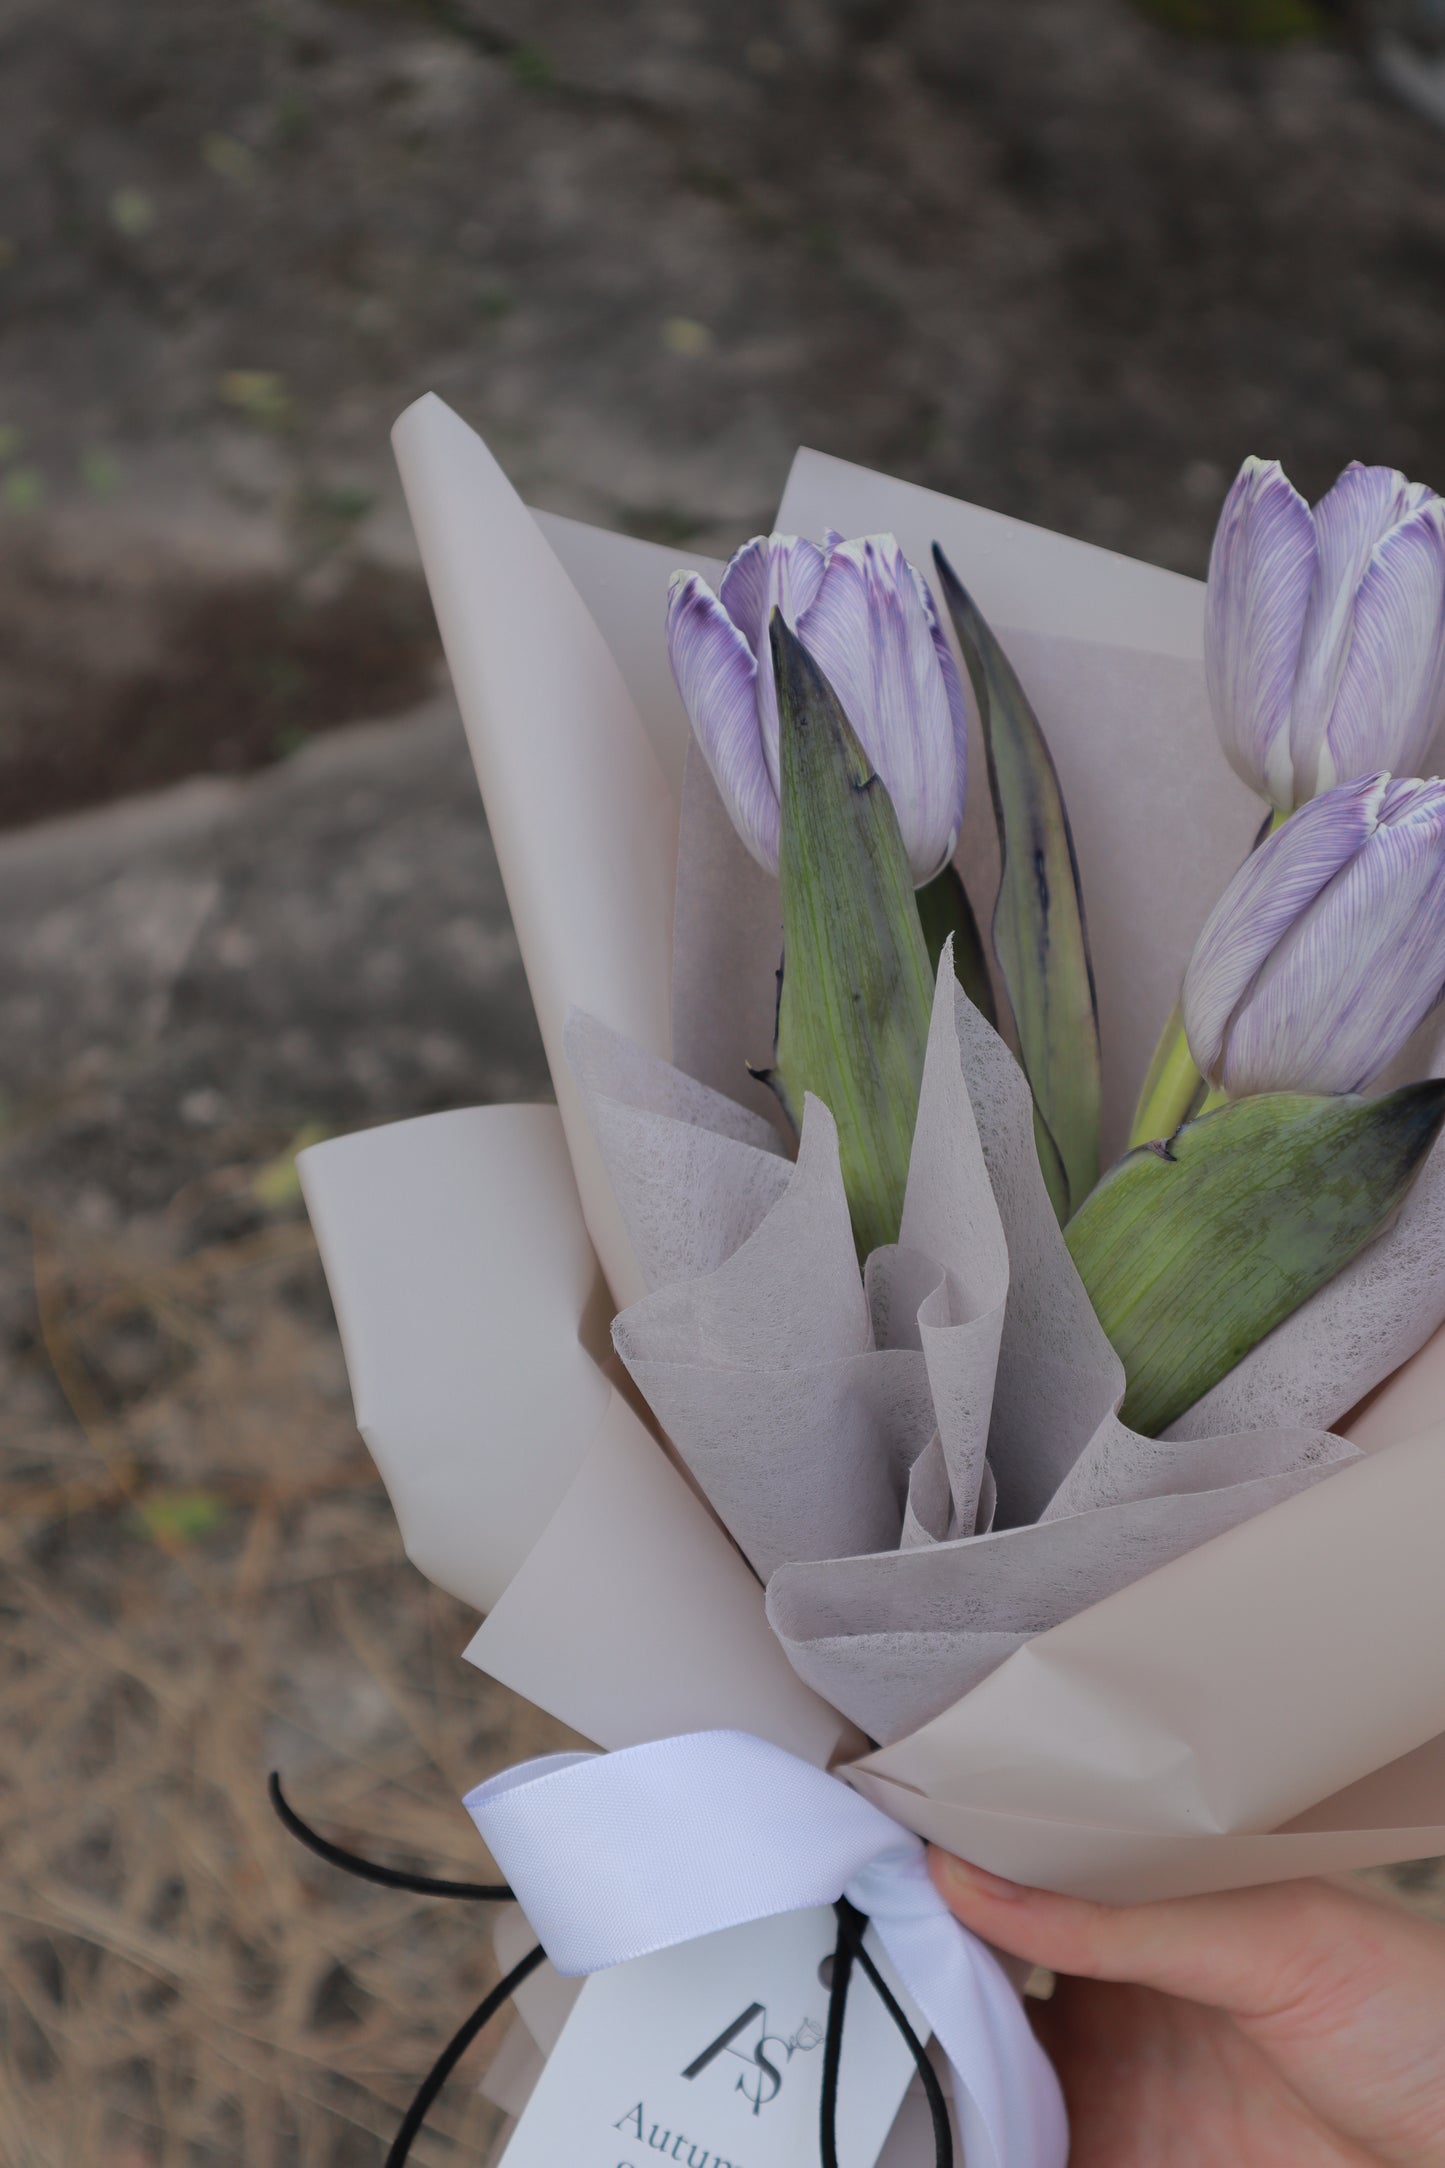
x=868 y=632
x=957 y=699
x=877 y=637
x=773 y=571
x=1261 y=568
x=1360 y=506
x=1391 y=688
x=1351 y=519
x=1347 y=985
x=958 y=710
x=1274 y=887
x=717 y=678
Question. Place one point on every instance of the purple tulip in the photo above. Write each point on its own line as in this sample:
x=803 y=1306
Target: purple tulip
x=1324 y=630
x=868 y=621
x=1328 y=946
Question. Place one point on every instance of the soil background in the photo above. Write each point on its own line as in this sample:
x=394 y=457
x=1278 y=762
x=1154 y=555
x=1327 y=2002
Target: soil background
x=1046 y=254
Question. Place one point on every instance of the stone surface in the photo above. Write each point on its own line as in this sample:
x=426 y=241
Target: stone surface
x=327 y=943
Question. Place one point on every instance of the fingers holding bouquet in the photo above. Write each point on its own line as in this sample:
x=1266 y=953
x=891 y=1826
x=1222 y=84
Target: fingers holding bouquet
x=1296 y=2023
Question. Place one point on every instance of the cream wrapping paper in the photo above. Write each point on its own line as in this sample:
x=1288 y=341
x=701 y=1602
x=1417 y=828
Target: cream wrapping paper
x=516 y=1466
x=594 y=778
x=840 y=1428
x=1271 y=1702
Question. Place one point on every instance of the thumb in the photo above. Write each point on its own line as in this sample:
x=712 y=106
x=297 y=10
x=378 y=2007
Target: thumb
x=1253 y=1953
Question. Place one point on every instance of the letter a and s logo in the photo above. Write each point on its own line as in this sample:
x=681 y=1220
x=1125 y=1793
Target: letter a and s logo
x=764 y=2055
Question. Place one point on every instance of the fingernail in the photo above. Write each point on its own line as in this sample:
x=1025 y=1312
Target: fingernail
x=960 y=1878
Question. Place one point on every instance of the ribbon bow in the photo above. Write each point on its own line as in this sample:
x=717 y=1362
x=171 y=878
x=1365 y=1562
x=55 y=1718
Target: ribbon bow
x=612 y=1856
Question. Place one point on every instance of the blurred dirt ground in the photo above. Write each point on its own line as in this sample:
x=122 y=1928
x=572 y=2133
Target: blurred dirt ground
x=202 y=1580
x=200 y=1576
x=1038 y=252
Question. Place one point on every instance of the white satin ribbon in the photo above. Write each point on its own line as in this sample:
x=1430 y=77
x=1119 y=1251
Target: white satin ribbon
x=614 y=1855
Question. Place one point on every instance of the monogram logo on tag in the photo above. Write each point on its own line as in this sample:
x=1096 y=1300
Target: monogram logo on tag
x=765 y=2055
x=710 y=2055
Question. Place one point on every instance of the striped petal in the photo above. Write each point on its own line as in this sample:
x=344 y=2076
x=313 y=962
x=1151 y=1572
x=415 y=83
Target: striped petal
x=1260 y=571
x=1350 y=981
x=1393 y=680
x=1351 y=520
x=717 y=676
x=1270 y=892
x=868 y=631
x=957 y=703
x=772 y=572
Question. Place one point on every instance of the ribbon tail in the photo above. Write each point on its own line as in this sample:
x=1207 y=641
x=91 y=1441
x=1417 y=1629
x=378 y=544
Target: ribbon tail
x=1007 y=2096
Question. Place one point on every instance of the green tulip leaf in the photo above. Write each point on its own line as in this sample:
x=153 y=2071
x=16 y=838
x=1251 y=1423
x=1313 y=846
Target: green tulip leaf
x=1039 y=937
x=944 y=910
x=856 y=994
x=1193 y=1250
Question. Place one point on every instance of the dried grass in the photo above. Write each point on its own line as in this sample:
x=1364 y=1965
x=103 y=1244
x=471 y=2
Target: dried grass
x=202 y=1580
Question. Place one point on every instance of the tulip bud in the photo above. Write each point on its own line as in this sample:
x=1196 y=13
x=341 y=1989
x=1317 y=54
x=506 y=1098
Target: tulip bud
x=1324 y=634
x=868 y=621
x=1328 y=946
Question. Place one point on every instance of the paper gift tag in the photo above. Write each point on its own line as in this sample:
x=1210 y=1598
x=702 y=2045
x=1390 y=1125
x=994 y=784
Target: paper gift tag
x=711 y=2055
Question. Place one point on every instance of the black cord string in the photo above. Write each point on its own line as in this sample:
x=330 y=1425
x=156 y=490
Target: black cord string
x=845 y=1949
x=933 y=2091
x=852 y=1926
x=370 y=1870
x=422 y=1885
x=452 y=2054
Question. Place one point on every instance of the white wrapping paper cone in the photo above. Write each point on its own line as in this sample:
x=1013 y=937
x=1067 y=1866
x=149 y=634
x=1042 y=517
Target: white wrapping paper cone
x=462 y=1279
x=584 y=823
x=524 y=1483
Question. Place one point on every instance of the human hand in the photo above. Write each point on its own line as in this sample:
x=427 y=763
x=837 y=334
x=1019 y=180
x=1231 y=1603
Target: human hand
x=1299 y=2026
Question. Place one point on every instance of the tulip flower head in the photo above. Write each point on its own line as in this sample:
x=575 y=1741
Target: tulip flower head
x=1328 y=946
x=1324 y=637
x=868 y=621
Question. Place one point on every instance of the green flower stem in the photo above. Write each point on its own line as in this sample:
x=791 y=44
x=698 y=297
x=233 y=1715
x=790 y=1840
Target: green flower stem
x=1172 y=1083
x=1171 y=1086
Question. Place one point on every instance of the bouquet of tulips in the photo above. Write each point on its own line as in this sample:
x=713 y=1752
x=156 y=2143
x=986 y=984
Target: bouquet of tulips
x=825 y=697
x=843 y=1364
